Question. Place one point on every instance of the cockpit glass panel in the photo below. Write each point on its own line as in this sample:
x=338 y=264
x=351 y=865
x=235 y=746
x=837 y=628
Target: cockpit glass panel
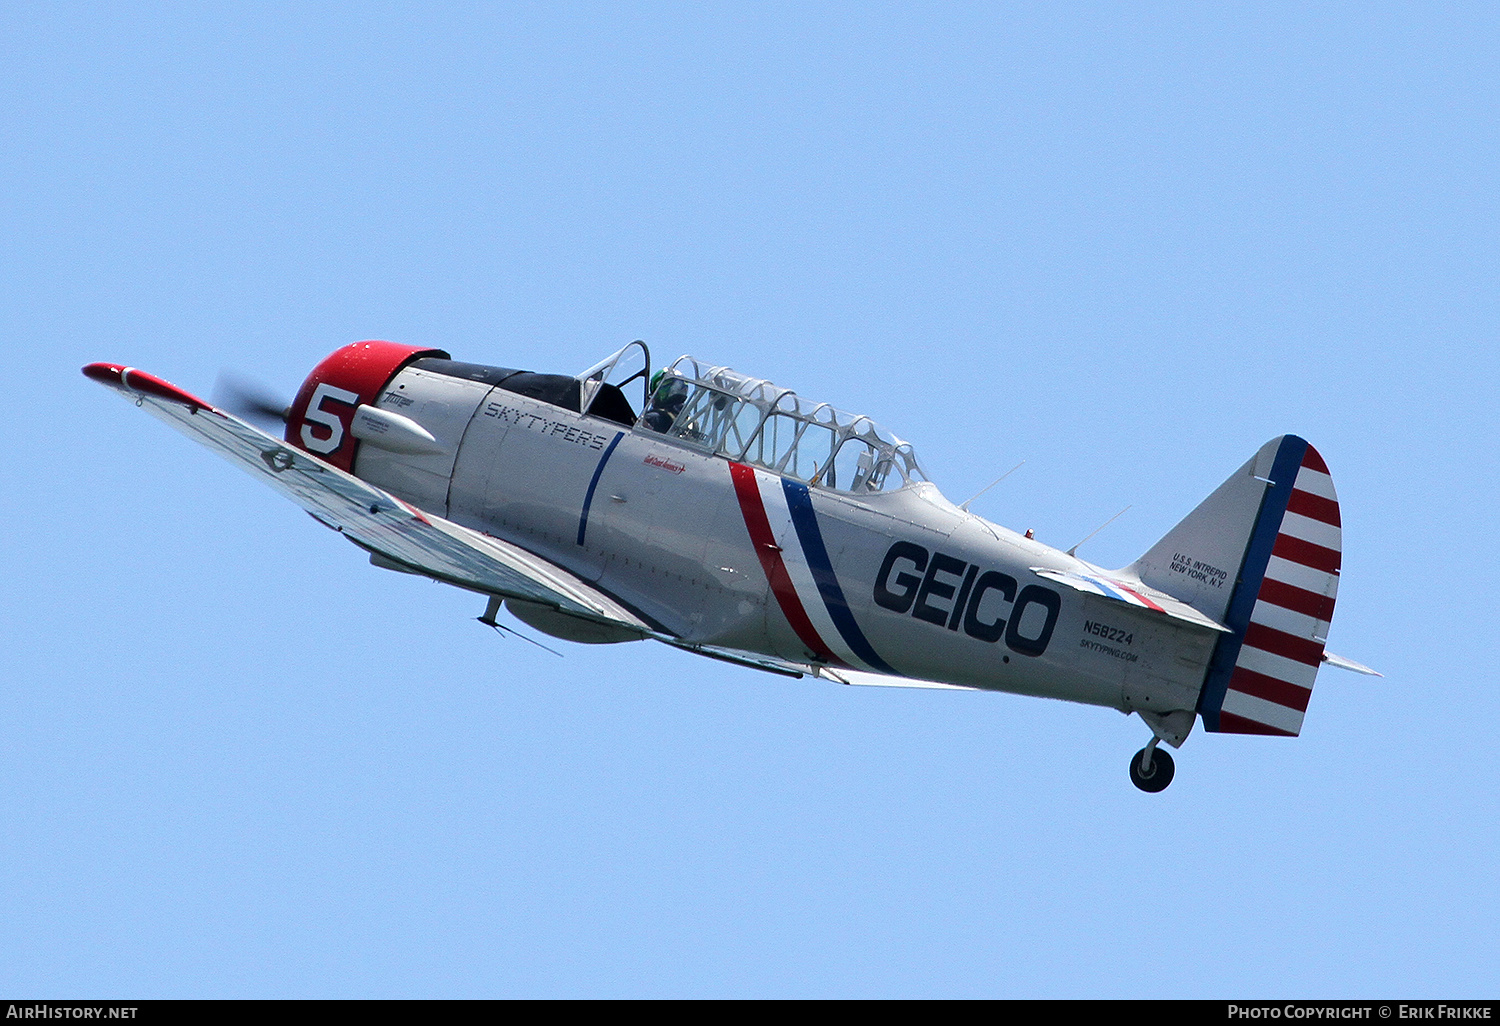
x=856 y=467
x=666 y=402
x=811 y=454
x=619 y=369
x=723 y=411
x=740 y=429
x=705 y=418
x=777 y=438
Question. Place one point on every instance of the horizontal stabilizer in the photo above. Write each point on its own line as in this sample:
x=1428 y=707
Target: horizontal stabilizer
x=1349 y=664
x=1134 y=594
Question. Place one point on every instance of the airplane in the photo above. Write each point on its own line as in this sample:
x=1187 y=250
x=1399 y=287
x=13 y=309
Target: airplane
x=726 y=516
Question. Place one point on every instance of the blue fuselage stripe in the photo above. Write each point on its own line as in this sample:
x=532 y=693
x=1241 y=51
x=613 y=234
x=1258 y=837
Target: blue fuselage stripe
x=588 y=498
x=1252 y=572
x=799 y=503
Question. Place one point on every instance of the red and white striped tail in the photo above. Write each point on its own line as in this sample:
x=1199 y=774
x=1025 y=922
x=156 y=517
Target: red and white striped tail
x=1261 y=676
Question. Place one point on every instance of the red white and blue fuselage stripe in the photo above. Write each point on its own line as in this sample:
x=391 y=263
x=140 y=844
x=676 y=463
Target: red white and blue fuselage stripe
x=800 y=572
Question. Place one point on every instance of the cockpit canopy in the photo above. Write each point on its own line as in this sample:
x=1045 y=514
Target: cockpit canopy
x=715 y=409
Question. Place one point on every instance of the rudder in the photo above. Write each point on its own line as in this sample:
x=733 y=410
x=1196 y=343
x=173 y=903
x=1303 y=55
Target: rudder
x=1261 y=555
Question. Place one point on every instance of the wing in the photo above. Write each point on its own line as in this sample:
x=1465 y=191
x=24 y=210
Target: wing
x=836 y=674
x=841 y=675
x=370 y=517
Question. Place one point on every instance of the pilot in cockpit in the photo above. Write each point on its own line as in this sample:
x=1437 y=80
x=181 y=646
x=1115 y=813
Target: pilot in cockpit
x=668 y=394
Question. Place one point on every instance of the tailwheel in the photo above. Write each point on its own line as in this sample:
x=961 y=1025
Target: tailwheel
x=1151 y=769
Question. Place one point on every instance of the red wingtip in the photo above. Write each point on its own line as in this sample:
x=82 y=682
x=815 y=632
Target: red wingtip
x=147 y=384
x=109 y=373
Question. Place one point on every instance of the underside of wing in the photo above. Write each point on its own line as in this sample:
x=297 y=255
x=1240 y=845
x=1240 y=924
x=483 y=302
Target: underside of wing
x=372 y=518
x=841 y=675
x=790 y=668
x=754 y=660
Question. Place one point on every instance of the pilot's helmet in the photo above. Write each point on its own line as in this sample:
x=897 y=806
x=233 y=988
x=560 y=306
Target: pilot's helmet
x=668 y=392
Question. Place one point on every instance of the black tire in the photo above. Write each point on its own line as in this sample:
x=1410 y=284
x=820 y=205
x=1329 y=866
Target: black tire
x=1158 y=776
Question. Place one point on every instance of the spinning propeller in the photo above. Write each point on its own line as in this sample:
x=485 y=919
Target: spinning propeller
x=250 y=400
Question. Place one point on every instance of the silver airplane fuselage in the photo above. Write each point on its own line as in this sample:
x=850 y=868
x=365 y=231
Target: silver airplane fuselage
x=729 y=555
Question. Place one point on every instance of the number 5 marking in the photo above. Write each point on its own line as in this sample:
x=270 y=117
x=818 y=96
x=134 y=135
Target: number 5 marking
x=317 y=415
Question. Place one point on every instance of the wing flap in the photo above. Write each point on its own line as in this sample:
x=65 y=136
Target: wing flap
x=790 y=668
x=371 y=517
x=841 y=675
x=754 y=660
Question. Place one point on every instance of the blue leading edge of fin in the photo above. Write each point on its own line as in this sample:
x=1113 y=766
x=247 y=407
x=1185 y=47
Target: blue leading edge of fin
x=1252 y=572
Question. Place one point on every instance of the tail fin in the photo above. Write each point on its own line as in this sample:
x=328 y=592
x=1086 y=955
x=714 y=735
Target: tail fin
x=1260 y=555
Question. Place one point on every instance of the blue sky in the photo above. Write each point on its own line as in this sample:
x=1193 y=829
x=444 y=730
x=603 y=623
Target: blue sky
x=1126 y=243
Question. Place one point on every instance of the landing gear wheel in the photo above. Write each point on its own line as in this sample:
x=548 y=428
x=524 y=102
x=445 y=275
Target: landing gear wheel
x=1158 y=773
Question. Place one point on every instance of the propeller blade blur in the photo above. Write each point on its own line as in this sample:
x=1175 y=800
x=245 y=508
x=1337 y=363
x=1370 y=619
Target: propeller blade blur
x=250 y=400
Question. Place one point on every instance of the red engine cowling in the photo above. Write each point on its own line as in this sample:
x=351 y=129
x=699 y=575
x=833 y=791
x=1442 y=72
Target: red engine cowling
x=349 y=377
